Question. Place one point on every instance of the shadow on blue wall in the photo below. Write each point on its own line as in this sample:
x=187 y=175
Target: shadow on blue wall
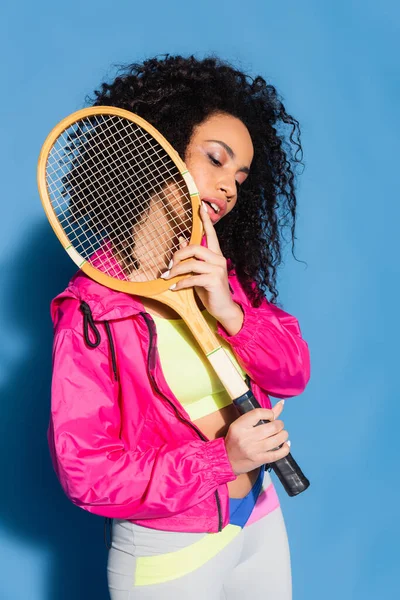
x=33 y=505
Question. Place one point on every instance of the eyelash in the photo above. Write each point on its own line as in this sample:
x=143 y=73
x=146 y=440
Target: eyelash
x=213 y=160
x=216 y=163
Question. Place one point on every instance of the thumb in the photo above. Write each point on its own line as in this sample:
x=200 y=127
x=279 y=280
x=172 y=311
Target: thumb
x=278 y=408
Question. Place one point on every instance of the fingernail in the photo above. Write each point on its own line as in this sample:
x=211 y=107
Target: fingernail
x=173 y=286
x=289 y=443
x=171 y=262
x=204 y=205
x=164 y=275
x=281 y=402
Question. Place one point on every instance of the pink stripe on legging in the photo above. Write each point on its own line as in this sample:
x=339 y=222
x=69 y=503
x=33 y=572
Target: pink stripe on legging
x=267 y=501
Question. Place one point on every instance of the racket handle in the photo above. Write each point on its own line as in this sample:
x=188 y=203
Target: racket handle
x=286 y=469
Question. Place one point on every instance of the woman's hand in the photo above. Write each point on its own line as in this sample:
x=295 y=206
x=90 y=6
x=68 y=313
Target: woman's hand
x=248 y=447
x=210 y=277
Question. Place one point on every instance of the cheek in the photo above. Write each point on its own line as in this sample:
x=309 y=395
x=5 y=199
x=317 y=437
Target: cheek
x=199 y=177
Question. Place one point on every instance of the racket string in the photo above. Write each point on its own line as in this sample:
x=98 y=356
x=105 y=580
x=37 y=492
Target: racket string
x=101 y=163
x=108 y=178
x=131 y=182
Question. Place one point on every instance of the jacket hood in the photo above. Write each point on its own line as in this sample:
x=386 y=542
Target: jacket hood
x=104 y=303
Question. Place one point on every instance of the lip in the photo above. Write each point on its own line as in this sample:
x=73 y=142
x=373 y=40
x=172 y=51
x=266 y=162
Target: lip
x=222 y=205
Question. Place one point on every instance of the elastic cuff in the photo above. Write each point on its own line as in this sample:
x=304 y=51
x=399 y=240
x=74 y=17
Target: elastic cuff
x=218 y=458
x=251 y=317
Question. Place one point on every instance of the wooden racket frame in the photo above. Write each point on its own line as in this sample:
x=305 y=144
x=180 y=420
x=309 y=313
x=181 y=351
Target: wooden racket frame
x=182 y=301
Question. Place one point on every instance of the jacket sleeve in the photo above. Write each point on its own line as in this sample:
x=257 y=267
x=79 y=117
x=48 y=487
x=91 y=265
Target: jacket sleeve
x=270 y=347
x=96 y=469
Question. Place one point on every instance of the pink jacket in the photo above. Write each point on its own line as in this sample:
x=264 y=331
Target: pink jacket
x=122 y=445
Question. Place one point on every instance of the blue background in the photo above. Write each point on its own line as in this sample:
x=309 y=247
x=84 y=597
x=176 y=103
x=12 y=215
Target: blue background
x=335 y=66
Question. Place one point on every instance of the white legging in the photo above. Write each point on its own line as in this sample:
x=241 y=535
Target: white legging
x=255 y=564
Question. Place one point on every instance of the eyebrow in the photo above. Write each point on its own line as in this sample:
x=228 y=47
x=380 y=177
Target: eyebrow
x=230 y=152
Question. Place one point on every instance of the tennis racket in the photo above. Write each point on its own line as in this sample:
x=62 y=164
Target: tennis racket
x=109 y=180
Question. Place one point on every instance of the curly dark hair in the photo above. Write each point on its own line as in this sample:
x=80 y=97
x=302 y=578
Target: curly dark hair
x=175 y=94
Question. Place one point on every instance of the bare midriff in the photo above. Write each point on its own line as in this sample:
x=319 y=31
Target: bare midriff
x=217 y=423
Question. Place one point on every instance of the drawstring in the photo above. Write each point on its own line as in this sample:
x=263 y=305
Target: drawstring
x=88 y=321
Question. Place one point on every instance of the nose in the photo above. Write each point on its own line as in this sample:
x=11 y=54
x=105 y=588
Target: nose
x=228 y=187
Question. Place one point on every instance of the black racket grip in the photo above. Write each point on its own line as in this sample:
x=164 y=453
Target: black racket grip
x=286 y=469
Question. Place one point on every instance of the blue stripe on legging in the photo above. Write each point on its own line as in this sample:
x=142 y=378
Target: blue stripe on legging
x=240 y=508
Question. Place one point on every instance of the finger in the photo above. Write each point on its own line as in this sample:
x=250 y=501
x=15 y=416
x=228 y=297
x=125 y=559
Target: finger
x=199 y=252
x=272 y=456
x=267 y=430
x=195 y=266
x=189 y=282
x=273 y=442
x=211 y=234
x=190 y=266
x=266 y=414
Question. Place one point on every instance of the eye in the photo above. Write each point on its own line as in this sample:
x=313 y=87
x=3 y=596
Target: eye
x=214 y=160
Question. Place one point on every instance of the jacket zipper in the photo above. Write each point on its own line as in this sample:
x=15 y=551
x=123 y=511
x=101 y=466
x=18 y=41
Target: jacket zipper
x=151 y=349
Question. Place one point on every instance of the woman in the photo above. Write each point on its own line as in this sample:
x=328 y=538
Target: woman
x=141 y=430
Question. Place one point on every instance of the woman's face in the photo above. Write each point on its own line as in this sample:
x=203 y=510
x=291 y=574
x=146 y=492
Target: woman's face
x=218 y=157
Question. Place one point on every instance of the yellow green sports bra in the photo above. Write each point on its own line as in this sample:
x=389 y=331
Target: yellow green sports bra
x=186 y=369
